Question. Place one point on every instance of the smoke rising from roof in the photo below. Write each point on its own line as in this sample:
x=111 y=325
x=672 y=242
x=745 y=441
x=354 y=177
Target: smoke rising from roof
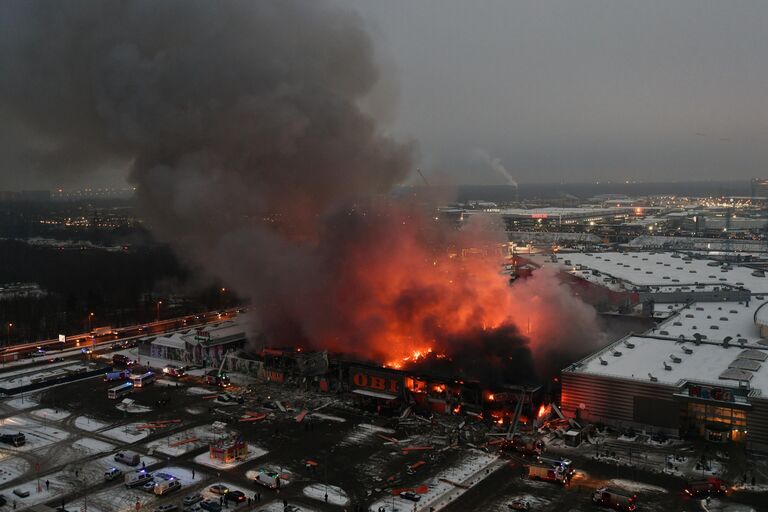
x=241 y=125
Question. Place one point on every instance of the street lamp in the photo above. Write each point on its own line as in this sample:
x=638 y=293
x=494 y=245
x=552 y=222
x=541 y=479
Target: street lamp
x=90 y=321
x=159 y=303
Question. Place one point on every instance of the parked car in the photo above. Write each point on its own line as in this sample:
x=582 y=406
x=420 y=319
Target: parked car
x=236 y=496
x=149 y=486
x=411 y=496
x=166 y=508
x=291 y=508
x=219 y=489
x=111 y=474
x=191 y=499
x=210 y=506
x=519 y=505
x=21 y=493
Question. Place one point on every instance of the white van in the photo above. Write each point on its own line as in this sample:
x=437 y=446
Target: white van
x=166 y=486
x=138 y=477
x=268 y=479
x=128 y=458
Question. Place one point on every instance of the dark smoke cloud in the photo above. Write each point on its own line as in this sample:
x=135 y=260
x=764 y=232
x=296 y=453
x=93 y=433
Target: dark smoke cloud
x=240 y=119
x=242 y=126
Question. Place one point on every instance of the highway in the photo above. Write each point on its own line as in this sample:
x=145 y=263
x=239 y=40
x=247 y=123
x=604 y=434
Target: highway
x=89 y=339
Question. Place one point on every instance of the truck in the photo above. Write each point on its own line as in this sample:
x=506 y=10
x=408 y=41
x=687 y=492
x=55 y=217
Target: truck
x=217 y=378
x=548 y=473
x=706 y=487
x=102 y=331
x=138 y=477
x=121 y=360
x=18 y=439
x=270 y=479
x=617 y=500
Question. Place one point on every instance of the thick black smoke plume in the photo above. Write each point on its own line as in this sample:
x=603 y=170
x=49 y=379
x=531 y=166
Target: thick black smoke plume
x=240 y=124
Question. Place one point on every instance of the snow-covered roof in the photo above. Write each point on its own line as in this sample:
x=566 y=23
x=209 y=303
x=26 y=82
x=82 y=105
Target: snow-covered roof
x=175 y=340
x=728 y=349
x=630 y=270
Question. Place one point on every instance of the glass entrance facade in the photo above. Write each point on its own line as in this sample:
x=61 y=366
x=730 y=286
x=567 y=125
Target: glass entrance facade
x=717 y=423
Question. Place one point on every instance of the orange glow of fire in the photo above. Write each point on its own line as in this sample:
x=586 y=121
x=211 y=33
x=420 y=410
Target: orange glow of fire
x=544 y=411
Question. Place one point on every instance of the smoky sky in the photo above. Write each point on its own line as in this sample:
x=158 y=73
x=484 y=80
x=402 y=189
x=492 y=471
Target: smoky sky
x=551 y=90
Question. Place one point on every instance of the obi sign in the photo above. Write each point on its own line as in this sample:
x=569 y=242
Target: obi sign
x=365 y=379
x=707 y=393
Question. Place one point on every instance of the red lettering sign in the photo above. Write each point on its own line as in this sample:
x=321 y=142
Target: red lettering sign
x=377 y=382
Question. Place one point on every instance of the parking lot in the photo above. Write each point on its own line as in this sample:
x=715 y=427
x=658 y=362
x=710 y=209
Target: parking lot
x=317 y=443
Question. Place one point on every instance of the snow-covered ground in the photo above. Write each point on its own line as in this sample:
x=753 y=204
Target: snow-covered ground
x=470 y=471
x=336 y=495
x=92 y=446
x=132 y=407
x=51 y=414
x=363 y=433
x=127 y=433
x=201 y=435
x=636 y=487
x=254 y=452
x=11 y=467
x=22 y=402
x=37 y=434
x=89 y=424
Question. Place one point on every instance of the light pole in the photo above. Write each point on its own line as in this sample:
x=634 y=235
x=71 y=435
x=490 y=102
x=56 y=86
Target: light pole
x=10 y=326
x=157 y=318
x=90 y=321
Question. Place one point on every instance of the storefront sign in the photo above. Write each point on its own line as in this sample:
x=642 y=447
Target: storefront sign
x=708 y=393
x=365 y=379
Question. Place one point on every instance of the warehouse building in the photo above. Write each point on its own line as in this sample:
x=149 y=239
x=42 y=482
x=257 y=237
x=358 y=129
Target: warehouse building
x=702 y=373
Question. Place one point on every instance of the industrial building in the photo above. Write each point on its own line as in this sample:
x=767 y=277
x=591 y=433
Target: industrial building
x=701 y=373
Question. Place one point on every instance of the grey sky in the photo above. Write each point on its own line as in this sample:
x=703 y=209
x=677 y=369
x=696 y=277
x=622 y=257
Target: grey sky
x=581 y=90
x=569 y=90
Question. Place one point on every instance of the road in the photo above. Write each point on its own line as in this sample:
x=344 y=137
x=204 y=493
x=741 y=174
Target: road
x=122 y=333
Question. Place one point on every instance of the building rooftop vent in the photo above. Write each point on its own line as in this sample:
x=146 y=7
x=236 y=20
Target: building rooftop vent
x=687 y=350
x=653 y=379
x=616 y=353
x=745 y=364
x=667 y=367
x=755 y=355
x=603 y=361
x=675 y=359
x=629 y=345
x=736 y=374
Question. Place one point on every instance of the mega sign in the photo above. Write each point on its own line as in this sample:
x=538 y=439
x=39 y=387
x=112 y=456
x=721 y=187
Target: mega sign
x=707 y=393
x=365 y=379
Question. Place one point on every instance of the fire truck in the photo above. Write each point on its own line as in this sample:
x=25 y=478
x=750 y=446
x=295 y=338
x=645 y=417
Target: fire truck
x=706 y=487
x=617 y=500
x=547 y=473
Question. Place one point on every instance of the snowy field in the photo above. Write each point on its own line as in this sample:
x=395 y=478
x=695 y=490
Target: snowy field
x=89 y=424
x=11 y=467
x=128 y=433
x=22 y=402
x=51 y=414
x=183 y=441
x=38 y=434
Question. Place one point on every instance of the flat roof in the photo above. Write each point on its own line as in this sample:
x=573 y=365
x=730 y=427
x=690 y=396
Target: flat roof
x=632 y=270
x=672 y=355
